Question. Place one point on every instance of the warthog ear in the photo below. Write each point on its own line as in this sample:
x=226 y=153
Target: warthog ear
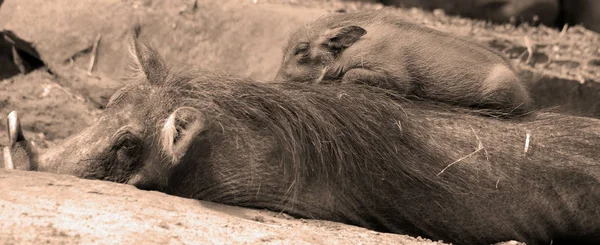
x=145 y=60
x=180 y=131
x=343 y=37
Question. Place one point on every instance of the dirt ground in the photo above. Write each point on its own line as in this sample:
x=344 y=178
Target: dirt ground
x=562 y=67
x=60 y=209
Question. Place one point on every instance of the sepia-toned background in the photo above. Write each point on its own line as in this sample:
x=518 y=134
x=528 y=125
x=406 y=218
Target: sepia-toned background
x=45 y=54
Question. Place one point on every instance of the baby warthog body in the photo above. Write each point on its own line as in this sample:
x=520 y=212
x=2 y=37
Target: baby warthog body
x=349 y=153
x=380 y=49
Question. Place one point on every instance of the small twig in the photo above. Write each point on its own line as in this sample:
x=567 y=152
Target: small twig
x=479 y=148
x=17 y=60
x=564 y=30
x=8 y=163
x=480 y=144
x=57 y=85
x=341 y=95
x=460 y=159
x=94 y=53
x=529 y=50
x=527 y=139
x=440 y=206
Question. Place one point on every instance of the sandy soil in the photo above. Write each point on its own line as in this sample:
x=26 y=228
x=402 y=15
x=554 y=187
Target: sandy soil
x=60 y=209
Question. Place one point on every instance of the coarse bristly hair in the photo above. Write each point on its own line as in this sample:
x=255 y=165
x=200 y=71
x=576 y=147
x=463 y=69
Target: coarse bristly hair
x=321 y=137
x=390 y=161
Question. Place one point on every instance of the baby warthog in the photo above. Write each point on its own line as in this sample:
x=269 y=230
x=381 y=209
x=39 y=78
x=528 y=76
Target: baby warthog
x=349 y=153
x=378 y=48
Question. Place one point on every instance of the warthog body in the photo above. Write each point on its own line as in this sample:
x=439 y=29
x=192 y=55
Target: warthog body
x=346 y=153
x=380 y=49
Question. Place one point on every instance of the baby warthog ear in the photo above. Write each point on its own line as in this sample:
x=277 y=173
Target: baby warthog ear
x=343 y=37
x=180 y=131
x=145 y=60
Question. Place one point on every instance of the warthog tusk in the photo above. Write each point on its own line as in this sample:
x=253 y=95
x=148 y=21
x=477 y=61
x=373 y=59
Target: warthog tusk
x=8 y=163
x=15 y=133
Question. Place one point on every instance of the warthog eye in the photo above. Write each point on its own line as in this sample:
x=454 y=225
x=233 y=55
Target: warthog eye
x=302 y=49
x=128 y=150
x=126 y=145
x=122 y=159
